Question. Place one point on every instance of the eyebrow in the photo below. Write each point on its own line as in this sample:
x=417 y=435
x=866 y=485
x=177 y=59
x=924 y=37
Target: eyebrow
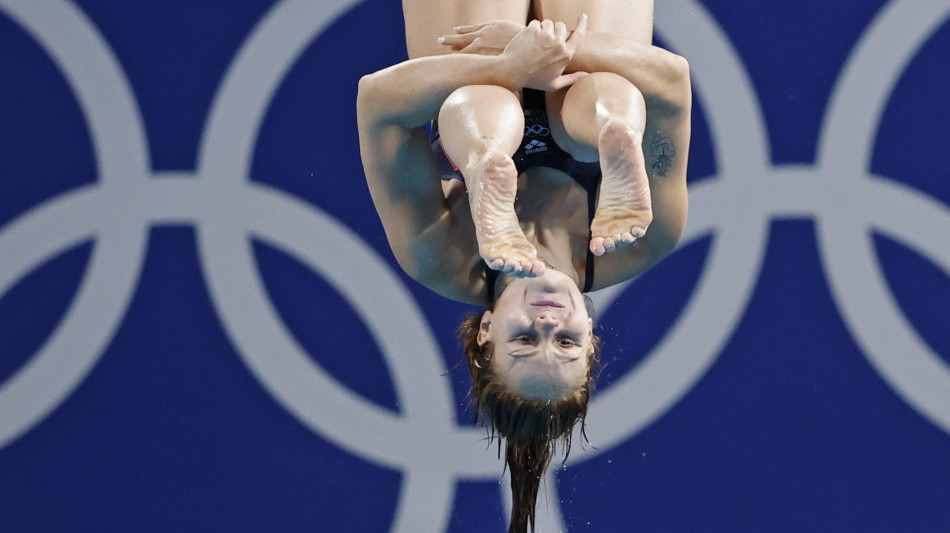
x=516 y=354
x=523 y=354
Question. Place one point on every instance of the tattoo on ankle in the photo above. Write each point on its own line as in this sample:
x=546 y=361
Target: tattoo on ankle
x=663 y=150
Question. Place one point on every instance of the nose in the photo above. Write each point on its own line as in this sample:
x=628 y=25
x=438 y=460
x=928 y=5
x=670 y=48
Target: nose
x=546 y=319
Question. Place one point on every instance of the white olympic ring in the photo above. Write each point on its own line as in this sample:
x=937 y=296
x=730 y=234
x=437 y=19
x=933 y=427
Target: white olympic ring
x=431 y=452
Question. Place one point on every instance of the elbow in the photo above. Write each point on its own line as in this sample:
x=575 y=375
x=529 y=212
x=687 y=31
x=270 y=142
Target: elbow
x=678 y=93
x=367 y=91
x=409 y=266
x=419 y=270
x=373 y=106
x=663 y=237
x=678 y=68
x=681 y=84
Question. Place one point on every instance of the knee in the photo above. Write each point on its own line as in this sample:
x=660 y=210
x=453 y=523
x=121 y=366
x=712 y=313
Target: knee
x=479 y=97
x=603 y=95
x=479 y=118
x=598 y=101
x=603 y=79
x=605 y=84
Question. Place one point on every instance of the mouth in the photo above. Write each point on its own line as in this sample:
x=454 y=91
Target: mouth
x=546 y=303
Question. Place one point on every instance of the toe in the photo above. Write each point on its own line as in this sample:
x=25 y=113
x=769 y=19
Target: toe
x=514 y=268
x=597 y=246
x=537 y=267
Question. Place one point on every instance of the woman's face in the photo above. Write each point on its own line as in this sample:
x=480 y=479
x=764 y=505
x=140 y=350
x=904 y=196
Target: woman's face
x=541 y=334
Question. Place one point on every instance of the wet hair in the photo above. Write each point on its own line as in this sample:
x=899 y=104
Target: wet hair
x=533 y=429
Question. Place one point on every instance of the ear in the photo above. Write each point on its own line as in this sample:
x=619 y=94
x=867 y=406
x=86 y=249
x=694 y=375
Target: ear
x=590 y=329
x=484 y=329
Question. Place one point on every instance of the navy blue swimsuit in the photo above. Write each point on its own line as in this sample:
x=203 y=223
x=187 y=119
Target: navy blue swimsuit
x=537 y=149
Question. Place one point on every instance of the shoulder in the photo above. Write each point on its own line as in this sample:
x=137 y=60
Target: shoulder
x=462 y=281
x=444 y=256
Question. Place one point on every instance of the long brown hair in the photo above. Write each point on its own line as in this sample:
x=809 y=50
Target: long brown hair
x=532 y=428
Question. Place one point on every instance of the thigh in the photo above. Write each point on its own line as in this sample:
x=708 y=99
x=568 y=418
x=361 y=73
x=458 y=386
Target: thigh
x=426 y=20
x=632 y=19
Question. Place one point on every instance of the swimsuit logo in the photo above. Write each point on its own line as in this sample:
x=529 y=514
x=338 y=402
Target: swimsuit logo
x=536 y=130
x=534 y=147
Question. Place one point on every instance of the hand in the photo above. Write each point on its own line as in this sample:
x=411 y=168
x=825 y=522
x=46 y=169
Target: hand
x=488 y=38
x=538 y=54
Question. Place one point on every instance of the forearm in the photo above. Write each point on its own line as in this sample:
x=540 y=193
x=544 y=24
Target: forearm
x=410 y=93
x=662 y=77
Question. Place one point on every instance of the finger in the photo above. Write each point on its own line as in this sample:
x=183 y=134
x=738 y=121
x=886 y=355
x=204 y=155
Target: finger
x=456 y=41
x=560 y=31
x=535 y=24
x=580 y=30
x=469 y=28
x=472 y=48
x=565 y=80
x=548 y=26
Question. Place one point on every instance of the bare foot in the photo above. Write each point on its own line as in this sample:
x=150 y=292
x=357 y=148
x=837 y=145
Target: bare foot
x=624 y=210
x=501 y=243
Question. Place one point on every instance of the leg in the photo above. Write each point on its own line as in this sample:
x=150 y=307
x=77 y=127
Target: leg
x=632 y=19
x=602 y=116
x=481 y=127
x=426 y=20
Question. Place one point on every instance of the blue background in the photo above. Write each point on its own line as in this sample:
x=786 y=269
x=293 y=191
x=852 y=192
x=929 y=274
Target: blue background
x=790 y=430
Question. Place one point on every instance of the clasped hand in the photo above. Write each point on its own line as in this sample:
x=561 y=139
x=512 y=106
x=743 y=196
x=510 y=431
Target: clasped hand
x=538 y=54
x=486 y=38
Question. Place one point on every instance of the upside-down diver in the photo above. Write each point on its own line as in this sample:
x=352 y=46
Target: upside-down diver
x=554 y=164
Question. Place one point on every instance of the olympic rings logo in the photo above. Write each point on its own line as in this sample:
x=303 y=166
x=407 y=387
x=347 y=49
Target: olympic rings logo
x=536 y=130
x=432 y=453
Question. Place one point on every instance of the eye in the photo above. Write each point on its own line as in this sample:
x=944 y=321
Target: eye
x=523 y=338
x=567 y=342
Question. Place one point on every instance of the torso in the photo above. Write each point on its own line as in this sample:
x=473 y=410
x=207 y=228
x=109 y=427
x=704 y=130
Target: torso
x=556 y=195
x=553 y=210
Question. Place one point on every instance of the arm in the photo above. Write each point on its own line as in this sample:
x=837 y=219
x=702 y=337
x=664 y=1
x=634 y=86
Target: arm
x=662 y=76
x=411 y=93
x=665 y=150
x=665 y=145
x=432 y=238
